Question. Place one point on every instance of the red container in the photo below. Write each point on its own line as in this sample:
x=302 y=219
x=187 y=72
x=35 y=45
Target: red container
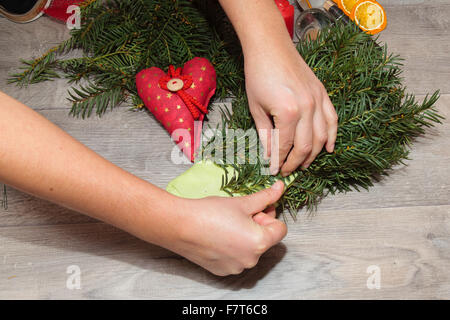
x=287 y=11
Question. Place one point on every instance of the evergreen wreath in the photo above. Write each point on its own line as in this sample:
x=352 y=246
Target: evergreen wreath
x=377 y=119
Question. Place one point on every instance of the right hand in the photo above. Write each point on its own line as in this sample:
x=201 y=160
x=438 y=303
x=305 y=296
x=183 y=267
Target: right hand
x=227 y=235
x=285 y=94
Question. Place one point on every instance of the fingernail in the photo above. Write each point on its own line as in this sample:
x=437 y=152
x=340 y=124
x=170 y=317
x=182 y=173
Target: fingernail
x=304 y=167
x=285 y=174
x=332 y=148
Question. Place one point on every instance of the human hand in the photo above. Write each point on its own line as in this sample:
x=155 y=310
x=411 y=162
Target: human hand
x=284 y=93
x=227 y=235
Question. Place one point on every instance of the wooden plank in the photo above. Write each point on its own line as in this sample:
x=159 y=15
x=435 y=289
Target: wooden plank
x=323 y=257
x=418 y=33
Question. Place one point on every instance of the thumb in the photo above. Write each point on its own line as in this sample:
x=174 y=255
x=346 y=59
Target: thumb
x=260 y=200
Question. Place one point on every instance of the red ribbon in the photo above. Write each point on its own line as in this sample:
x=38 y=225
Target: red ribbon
x=191 y=103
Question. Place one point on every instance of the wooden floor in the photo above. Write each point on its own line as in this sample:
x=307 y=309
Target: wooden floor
x=402 y=226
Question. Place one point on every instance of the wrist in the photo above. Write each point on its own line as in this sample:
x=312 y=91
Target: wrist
x=263 y=36
x=163 y=216
x=258 y=23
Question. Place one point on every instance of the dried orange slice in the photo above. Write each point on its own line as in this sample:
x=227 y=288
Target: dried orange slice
x=346 y=5
x=369 y=15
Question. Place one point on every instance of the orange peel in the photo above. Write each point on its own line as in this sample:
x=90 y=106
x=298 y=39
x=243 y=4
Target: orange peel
x=369 y=15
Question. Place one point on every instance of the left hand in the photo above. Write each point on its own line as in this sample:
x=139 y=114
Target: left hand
x=223 y=235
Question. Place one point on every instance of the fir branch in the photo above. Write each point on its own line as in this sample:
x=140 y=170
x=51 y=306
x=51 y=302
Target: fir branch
x=43 y=68
x=88 y=97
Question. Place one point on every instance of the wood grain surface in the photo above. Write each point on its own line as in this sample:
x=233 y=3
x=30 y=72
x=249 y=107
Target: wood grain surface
x=402 y=226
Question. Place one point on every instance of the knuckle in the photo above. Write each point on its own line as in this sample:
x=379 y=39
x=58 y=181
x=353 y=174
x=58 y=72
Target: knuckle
x=266 y=193
x=291 y=110
x=261 y=248
x=286 y=140
x=334 y=118
x=319 y=91
x=308 y=104
x=251 y=263
x=237 y=270
x=257 y=243
x=284 y=150
x=257 y=239
x=220 y=273
x=322 y=137
x=305 y=148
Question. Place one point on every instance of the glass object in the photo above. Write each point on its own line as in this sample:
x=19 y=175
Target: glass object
x=310 y=22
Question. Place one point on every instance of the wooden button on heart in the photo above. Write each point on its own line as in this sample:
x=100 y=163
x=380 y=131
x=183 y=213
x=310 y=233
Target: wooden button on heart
x=175 y=84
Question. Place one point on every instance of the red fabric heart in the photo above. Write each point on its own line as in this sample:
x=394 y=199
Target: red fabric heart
x=169 y=108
